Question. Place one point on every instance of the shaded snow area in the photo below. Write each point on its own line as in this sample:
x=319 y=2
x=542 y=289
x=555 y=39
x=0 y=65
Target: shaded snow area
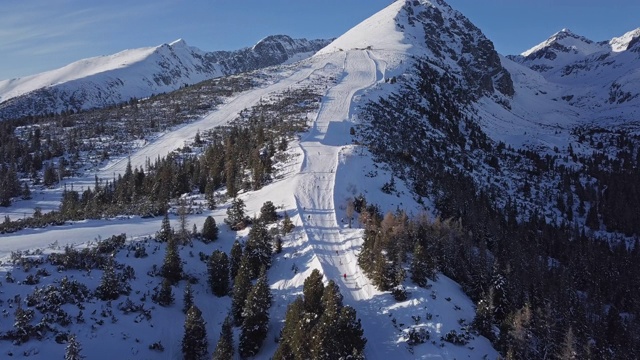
x=325 y=169
x=569 y=81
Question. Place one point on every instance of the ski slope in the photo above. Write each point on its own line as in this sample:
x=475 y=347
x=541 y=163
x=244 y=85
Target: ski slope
x=170 y=141
x=314 y=191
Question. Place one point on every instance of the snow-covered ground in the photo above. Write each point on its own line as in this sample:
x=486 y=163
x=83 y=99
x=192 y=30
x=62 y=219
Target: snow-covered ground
x=325 y=170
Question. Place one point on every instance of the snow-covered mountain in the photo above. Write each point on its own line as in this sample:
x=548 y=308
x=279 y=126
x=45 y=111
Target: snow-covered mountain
x=599 y=78
x=138 y=73
x=323 y=170
x=405 y=106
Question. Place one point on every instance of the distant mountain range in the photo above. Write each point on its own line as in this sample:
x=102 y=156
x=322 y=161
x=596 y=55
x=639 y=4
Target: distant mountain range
x=603 y=77
x=137 y=73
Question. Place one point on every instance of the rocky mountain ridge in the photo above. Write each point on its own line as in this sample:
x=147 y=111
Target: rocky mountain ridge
x=137 y=73
x=597 y=76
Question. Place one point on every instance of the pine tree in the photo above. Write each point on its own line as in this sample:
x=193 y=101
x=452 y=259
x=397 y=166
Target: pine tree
x=255 y=317
x=50 y=176
x=278 y=245
x=73 y=349
x=483 y=321
x=325 y=343
x=224 y=348
x=568 y=348
x=419 y=267
x=268 y=213
x=287 y=225
x=209 y=194
x=313 y=289
x=109 y=286
x=257 y=170
x=194 y=342
x=26 y=192
x=22 y=328
x=183 y=223
x=382 y=274
x=187 y=298
x=293 y=334
x=241 y=289
x=236 y=218
x=231 y=172
x=165 y=229
x=235 y=258
x=258 y=250
x=592 y=220
x=350 y=334
x=194 y=232
x=172 y=265
x=218 y=271
x=209 y=230
x=164 y=296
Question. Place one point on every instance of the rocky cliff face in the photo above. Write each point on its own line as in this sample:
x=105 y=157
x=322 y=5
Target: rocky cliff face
x=457 y=43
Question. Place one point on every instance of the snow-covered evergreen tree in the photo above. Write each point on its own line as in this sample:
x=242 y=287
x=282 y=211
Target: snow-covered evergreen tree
x=73 y=349
x=172 y=265
x=187 y=299
x=209 y=230
x=325 y=343
x=268 y=213
x=241 y=289
x=109 y=285
x=236 y=218
x=218 y=273
x=164 y=296
x=235 y=259
x=258 y=250
x=165 y=229
x=224 y=349
x=419 y=271
x=255 y=317
x=313 y=290
x=194 y=342
x=350 y=334
x=293 y=334
x=287 y=224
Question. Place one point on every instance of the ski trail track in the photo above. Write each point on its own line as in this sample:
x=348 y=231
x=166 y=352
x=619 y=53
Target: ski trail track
x=225 y=113
x=334 y=245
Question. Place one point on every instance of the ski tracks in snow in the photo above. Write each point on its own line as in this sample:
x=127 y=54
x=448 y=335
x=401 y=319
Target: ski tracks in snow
x=314 y=192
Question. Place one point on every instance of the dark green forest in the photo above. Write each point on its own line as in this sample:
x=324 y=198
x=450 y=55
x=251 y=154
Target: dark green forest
x=545 y=286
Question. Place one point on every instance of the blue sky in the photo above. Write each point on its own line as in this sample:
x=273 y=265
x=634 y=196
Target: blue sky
x=39 y=35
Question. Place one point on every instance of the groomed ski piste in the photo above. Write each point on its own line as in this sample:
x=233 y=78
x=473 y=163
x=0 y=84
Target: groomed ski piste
x=325 y=170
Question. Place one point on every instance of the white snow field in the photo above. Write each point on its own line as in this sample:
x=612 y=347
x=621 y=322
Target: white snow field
x=325 y=170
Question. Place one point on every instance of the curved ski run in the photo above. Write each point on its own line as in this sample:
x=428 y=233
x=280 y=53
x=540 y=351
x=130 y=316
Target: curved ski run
x=316 y=180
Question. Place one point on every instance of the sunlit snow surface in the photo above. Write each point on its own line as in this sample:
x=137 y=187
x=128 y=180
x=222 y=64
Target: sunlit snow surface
x=325 y=170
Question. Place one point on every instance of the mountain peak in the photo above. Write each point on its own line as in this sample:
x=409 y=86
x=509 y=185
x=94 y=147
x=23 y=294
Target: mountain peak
x=563 y=41
x=626 y=41
x=430 y=29
x=178 y=43
x=564 y=33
